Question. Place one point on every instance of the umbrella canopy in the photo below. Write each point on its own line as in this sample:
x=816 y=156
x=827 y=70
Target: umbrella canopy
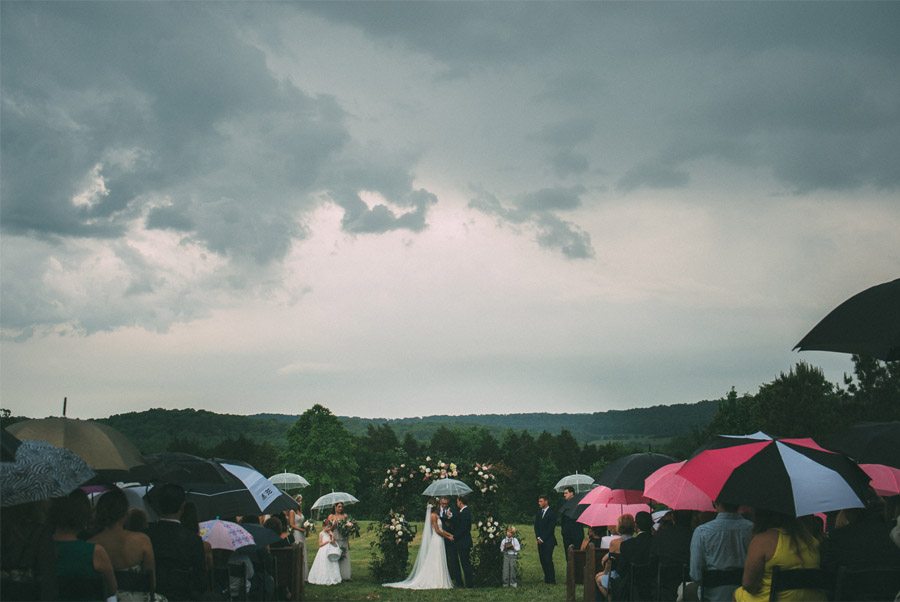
x=447 y=487
x=41 y=471
x=885 y=479
x=225 y=535
x=220 y=487
x=629 y=472
x=605 y=495
x=105 y=449
x=8 y=446
x=669 y=488
x=289 y=480
x=792 y=476
x=869 y=443
x=578 y=482
x=572 y=508
x=605 y=515
x=263 y=536
x=330 y=499
x=867 y=323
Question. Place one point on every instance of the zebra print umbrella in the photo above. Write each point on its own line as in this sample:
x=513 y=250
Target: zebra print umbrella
x=41 y=471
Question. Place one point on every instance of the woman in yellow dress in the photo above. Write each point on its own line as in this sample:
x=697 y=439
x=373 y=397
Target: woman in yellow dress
x=778 y=540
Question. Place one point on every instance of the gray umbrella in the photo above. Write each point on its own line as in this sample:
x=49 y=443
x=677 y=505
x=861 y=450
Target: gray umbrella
x=579 y=482
x=40 y=472
x=445 y=487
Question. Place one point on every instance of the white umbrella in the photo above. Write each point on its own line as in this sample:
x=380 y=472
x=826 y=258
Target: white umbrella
x=289 y=480
x=330 y=499
x=443 y=487
x=578 y=482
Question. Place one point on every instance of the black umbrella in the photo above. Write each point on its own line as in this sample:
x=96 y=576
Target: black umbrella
x=869 y=443
x=867 y=323
x=220 y=488
x=629 y=472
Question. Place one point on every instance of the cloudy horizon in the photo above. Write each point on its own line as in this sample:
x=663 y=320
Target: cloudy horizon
x=407 y=209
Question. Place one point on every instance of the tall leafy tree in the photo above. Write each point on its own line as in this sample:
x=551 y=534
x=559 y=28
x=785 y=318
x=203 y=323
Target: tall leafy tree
x=322 y=450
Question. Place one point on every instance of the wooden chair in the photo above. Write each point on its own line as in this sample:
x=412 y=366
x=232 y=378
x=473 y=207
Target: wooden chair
x=641 y=578
x=592 y=566
x=719 y=578
x=81 y=588
x=575 y=560
x=287 y=571
x=218 y=575
x=669 y=575
x=814 y=579
x=871 y=583
x=237 y=581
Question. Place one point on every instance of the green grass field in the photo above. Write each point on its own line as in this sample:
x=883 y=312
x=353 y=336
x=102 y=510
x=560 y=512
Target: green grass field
x=362 y=587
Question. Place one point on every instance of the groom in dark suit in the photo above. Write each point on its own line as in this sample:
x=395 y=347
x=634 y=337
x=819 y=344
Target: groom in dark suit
x=462 y=537
x=448 y=519
x=544 y=531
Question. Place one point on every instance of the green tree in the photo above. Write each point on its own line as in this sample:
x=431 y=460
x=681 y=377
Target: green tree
x=799 y=403
x=874 y=390
x=736 y=416
x=322 y=450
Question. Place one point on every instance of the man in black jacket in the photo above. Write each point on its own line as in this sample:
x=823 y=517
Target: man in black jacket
x=178 y=552
x=572 y=530
x=462 y=537
x=448 y=522
x=545 y=532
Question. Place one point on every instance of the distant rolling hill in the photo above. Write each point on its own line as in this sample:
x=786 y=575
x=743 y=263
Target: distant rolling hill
x=152 y=430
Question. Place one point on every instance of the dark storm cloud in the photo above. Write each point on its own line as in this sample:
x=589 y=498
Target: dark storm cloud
x=118 y=112
x=806 y=91
x=165 y=101
x=536 y=210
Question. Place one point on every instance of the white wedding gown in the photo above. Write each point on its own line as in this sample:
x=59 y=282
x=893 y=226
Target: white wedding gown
x=430 y=569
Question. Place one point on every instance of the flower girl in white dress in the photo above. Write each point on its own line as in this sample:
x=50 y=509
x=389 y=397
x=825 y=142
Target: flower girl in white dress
x=325 y=569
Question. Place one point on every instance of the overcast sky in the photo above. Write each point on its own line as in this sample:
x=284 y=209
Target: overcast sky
x=401 y=209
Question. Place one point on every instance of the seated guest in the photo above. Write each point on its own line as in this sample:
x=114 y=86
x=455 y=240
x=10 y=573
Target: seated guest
x=864 y=542
x=274 y=524
x=130 y=553
x=79 y=564
x=672 y=543
x=27 y=557
x=136 y=520
x=177 y=550
x=607 y=578
x=635 y=552
x=190 y=522
x=595 y=536
x=778 y=540
x=720 y=544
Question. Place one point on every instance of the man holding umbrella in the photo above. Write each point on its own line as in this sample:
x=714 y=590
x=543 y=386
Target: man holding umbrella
x=572 y=530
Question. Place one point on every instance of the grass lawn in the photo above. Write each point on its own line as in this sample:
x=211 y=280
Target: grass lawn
x=362 y=587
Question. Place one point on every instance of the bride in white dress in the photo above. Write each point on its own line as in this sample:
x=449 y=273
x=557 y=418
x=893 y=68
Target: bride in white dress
x=430 y=570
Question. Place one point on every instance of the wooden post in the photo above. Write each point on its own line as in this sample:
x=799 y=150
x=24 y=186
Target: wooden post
x=65 y=400
x=590 y=569
x=570 y=574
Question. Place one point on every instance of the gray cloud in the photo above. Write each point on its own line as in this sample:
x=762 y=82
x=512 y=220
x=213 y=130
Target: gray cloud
x=536 y=210
x=653 y=175
x=113 y=113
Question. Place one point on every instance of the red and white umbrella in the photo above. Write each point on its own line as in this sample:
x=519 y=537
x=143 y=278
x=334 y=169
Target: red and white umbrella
x=885 y=479
x=605 y=515
x=668 y=487
x=792 y=476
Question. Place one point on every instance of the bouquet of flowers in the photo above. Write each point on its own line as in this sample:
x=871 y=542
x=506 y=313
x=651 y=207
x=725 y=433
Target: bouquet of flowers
x=484 y=478
x=309 y=526
x=398 y=476
x=440 y=470
x=399 y=528
x=347 y=527
x=489 y=529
